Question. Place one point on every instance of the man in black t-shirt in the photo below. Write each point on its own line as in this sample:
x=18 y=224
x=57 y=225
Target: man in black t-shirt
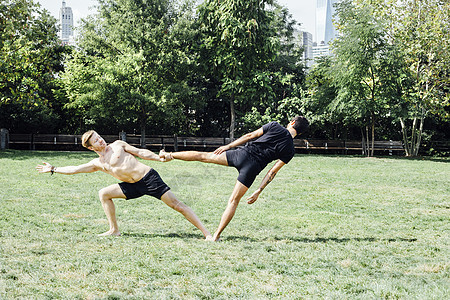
x=270 y=142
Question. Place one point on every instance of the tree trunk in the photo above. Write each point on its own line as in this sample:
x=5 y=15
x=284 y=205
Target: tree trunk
x=368 y=141
x=418 y=132
x=413 y=136
x=412 y=145
x=405 y=138
x=373 y=137
x=233 y=117
x=419 y=138
x=363 y=142
x=143 y=144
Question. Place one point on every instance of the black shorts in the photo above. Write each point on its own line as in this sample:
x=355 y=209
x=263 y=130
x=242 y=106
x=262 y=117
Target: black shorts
x=247 y=166
x=151 y=184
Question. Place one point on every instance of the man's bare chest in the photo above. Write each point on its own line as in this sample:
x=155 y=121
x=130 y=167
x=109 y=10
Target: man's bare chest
x=115 y=158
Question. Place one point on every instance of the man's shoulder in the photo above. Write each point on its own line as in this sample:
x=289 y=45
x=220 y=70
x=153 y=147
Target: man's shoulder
x=118 y=143
x=269 y=126
x=273 y=123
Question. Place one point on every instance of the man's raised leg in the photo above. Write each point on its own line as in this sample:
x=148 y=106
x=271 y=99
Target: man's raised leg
x=170 y=199
x=106 y=195
x=238 y=192
x=206 y=157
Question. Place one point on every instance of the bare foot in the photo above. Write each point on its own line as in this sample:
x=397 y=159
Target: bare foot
x=210 y=238
x=110 y=233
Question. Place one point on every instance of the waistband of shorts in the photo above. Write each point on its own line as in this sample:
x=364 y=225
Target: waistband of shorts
x=146 y=176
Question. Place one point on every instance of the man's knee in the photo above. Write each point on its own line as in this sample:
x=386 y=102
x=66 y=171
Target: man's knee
x=210 y=157
x=103 y=194
x=180 y=207
x=177 y=205
x=206 y=157
x=234 y=200
x=170 y=200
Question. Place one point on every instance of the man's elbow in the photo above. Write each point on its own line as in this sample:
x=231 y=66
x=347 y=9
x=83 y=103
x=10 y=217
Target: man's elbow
x=252 y=135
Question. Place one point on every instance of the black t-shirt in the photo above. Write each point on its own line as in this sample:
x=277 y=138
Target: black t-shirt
x=275 y=143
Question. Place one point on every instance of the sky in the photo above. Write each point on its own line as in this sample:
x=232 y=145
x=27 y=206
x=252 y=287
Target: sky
x=303 y=11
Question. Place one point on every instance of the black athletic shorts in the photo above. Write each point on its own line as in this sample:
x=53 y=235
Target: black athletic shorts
x=247 y=166
x=151 y=184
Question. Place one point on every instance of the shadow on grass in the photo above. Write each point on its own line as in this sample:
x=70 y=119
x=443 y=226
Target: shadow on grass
x=256 y=240
x=320 y=239
x=166 y=235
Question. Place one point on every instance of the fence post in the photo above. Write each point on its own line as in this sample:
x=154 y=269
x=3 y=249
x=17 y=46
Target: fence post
x=175 y=142
x=4 y=139
x=123 y=136
x=390 y=147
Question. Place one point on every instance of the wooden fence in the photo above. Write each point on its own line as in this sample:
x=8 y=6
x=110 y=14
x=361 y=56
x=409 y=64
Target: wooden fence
x=175 y=143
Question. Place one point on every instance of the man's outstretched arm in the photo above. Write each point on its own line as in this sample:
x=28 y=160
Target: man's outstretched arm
x=141 y=153
x=240 y=141
x=68 y=170
x=267 y=179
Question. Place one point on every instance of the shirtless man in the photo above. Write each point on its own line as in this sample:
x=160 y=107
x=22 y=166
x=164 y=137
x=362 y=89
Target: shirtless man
x=119 y=160
x=268 y=143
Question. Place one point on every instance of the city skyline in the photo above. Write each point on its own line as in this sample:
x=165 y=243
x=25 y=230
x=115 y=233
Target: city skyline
x=66 y=22
x=303 y=11
x=325 y=30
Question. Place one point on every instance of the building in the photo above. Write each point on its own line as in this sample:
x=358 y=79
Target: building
x=306 y=40
x=325 y=29
x=66 y=24
x=320 y=50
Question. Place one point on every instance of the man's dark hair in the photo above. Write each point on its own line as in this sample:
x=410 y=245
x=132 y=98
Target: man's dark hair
x=301 y=124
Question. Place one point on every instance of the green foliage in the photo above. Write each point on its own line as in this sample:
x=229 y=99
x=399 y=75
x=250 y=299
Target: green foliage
x=362 y=55
x=238 y=44
x=319 y=103
x=132 y=64
x=422 y=32
x=277 y=90
x=30 y=59
x=169 y=67
x=388 y=66
x=319 y=230
x=351 y=88
x=165 y=67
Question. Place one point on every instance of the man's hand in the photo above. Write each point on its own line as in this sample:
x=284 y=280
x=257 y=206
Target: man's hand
x=164 y=156
x=45 y=168
x=254 y=197
x=221 y=150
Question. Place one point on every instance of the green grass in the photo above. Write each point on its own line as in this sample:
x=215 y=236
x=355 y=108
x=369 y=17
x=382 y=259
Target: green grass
x=335 y=227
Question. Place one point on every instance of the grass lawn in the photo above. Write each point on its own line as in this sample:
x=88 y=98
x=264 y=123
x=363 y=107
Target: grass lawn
x=335 y=227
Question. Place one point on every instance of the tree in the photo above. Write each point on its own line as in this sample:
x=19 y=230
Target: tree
x=30 y=59
x=277 y=90
x=362 y=56
x=319 y=102
x=130 y=64
x=237 y=45
x=423 y=33
x=419 y=30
